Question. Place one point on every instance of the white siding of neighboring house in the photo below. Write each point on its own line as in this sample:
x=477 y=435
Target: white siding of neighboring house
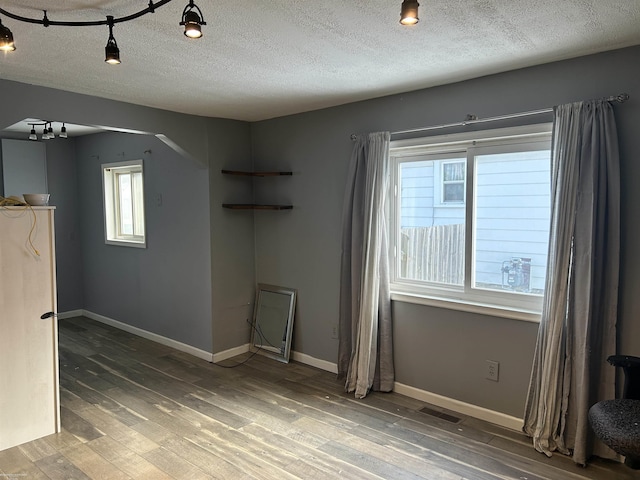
x=421 y=198
x=512 y=211
x=512 y=215
x=417 y=195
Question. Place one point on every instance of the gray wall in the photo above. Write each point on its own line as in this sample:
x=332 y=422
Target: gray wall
x=162 y=275
x=444 y=351
x=232 y=235
x=24 y=167
x=436 y=350
x=166 y=287
x=185 y=133
x=62 y=174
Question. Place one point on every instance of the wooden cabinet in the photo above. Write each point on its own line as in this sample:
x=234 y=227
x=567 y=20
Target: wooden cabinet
x=29 y=396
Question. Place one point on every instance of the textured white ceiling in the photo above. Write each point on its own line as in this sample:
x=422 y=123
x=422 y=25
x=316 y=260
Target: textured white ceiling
x=264 y=59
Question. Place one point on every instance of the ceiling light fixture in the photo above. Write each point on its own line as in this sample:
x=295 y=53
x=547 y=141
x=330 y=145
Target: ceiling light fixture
x=111 y=51
x=6 y=39
x=409 y=12
x=192 y=20
x=47 y=130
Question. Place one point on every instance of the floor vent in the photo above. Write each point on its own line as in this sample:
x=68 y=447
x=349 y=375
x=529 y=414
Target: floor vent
x=442 y=415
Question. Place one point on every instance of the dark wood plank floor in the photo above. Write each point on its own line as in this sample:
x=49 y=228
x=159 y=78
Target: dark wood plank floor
x=134 y=409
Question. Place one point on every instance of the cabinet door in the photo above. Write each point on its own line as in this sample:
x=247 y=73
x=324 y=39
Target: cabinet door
x=28 y=345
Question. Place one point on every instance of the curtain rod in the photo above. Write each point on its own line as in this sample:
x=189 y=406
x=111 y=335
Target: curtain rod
x=472 y=119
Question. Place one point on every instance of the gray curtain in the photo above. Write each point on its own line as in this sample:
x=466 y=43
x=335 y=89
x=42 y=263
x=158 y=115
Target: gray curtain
x=578 y=326
x=365 y=351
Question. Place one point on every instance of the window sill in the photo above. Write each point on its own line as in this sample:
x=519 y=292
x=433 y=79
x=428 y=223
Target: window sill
x=126 y=243
x=466 y=306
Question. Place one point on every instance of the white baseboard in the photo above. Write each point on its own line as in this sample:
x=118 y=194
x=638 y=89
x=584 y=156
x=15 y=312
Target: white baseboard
x=183 y=347
x=232 y=352
x=458 y=406
x=314 y=362
x=70 y=314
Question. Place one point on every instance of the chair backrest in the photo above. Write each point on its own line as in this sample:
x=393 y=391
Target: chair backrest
x=631 y=367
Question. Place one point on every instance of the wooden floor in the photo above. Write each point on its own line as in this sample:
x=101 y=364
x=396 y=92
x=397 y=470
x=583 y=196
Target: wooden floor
x=132 y=408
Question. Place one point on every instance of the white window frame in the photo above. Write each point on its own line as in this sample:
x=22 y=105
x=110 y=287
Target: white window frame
x=111 y=204
x=440 y=183
x=515 y=305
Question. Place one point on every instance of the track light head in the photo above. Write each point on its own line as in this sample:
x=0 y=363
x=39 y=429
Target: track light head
x=45 y=133
x=192 y=27
x=6 y=39
x=409 y=12
x=63 y=132
x=192 y=20
x=111 y=51
x=50 y=132
x=33 y=135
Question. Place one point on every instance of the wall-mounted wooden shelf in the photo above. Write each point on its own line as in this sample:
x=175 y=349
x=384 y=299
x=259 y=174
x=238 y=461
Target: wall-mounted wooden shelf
x=256 y=174
x=253 y=206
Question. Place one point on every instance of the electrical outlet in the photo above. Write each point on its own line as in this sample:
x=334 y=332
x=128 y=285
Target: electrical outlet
x=334 y=330
x=493 y=369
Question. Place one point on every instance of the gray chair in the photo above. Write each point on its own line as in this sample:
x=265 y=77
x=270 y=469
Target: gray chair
x=617 y=422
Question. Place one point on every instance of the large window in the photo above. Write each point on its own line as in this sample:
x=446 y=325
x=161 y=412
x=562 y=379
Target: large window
x=470 y=216
x=124 y=203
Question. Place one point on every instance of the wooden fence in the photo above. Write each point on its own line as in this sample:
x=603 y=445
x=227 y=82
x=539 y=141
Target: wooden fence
x=433 y=254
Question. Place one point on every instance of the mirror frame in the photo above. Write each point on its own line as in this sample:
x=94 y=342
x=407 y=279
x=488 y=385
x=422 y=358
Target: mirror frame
x=282 y=352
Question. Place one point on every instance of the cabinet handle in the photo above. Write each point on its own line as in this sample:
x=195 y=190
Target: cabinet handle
x=44 y=316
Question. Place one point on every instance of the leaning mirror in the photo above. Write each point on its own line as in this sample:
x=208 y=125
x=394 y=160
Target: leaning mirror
x=273 y=321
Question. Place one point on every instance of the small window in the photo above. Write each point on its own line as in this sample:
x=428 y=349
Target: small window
x=453 y=176
x=123 y=190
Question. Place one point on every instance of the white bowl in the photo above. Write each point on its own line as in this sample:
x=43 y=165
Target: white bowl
x=36 y=199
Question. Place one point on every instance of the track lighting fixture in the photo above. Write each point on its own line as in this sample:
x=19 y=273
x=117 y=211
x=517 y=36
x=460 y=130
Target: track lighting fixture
x=192 y=20
x=47 y=131
x=111 y=51
x=409 y=12
x=6 y=39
